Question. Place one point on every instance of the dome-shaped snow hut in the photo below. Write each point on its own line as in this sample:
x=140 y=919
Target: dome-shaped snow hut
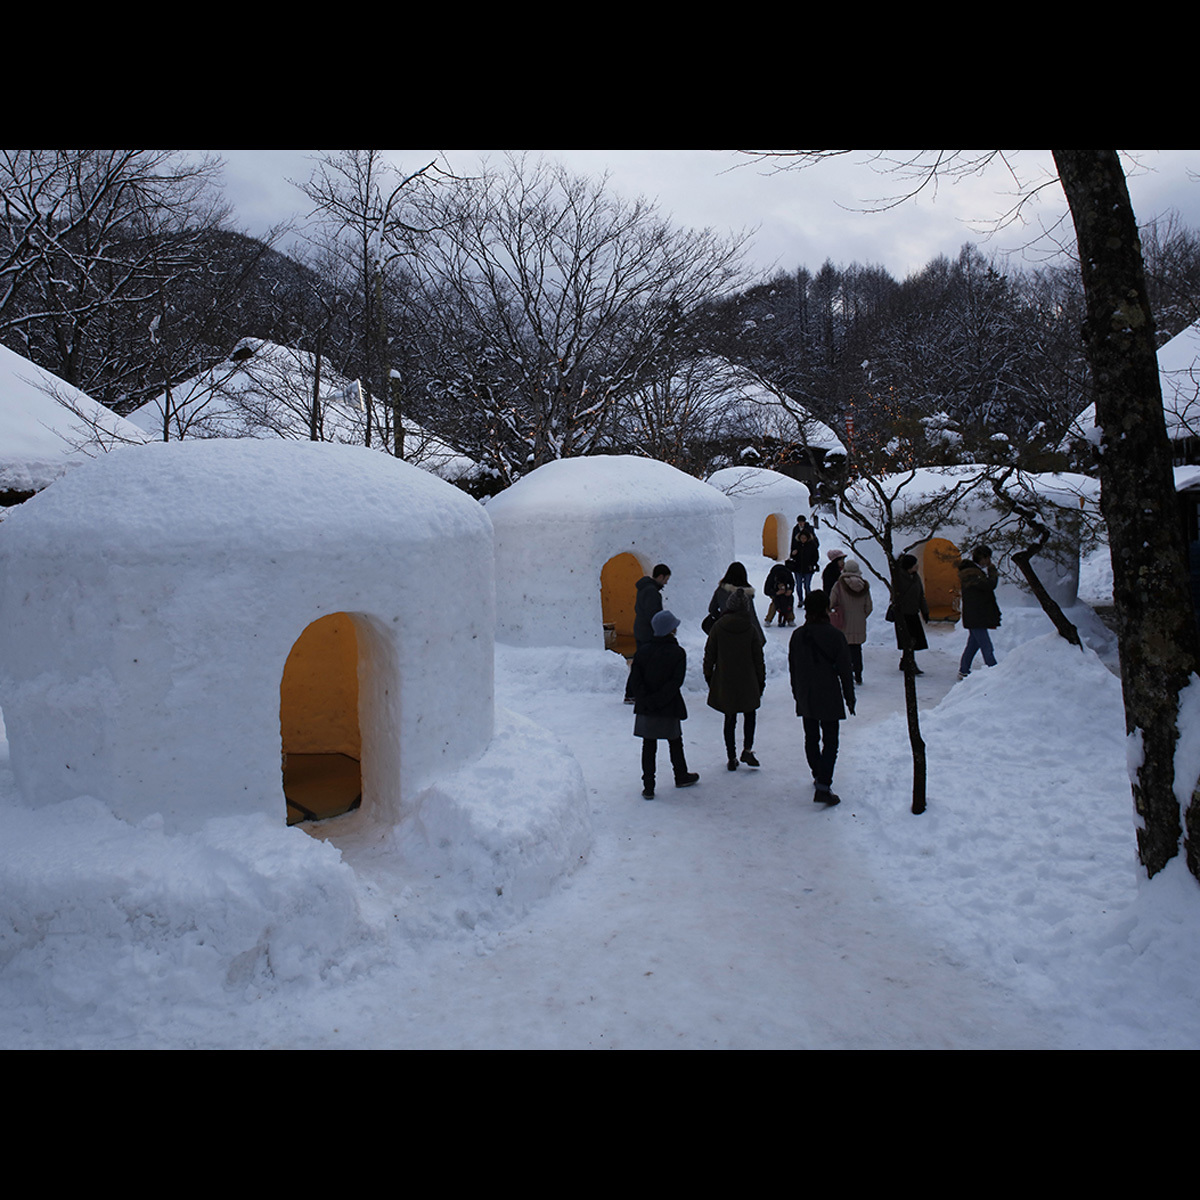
x=574 y=537
x=176 y=617
x=765 y=507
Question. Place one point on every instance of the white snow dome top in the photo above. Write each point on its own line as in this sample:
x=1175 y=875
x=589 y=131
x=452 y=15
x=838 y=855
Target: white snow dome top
x=742 y=483
x=607 y=485
x=223 y=495
x=765 y=505
x=575 y=536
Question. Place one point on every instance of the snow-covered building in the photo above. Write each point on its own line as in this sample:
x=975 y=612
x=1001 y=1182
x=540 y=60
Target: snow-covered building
x=1179 y=379
x=47 y=426
x=765 y=507
x=574 y=536
x=264 y=390
x=177 y=617
x=740 y=405
x=917 y=493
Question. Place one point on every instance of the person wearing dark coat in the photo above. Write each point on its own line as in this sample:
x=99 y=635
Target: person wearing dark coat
x=802 y=526
x=736 y=674
x=805 y=559
x=779 y=589
x=658 y=671
x=734 y=580
x=832 y=572
x=648 y=601
x=908 y=606
x=978 y=577
x=823 y=687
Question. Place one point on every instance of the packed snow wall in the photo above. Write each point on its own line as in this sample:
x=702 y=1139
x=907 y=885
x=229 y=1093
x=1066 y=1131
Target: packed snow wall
x=559 y=526
x=150 y=600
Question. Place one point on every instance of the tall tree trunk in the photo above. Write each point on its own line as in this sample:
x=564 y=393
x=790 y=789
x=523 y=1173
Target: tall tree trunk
x=1156 y=629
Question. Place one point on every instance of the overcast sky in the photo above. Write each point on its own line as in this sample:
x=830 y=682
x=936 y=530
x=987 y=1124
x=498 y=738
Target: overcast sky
x=800 y=218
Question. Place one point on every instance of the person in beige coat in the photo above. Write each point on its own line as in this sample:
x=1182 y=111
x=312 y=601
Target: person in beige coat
x=850 y=606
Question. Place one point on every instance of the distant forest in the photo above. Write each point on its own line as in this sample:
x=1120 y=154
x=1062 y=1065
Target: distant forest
x=530 y=314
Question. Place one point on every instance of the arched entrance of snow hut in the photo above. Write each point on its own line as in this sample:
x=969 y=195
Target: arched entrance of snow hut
x=318 y=720
x=941 y=579
x=618 y=592
x=771 y=537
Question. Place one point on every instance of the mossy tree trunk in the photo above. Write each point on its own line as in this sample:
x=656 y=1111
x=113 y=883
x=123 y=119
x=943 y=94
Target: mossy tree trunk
x=1156 y=628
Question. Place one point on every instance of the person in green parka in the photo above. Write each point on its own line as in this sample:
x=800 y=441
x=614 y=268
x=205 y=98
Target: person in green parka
x=736 y=674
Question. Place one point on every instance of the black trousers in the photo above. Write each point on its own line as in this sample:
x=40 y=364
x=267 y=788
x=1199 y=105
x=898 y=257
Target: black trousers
x=821 y=748
x=731 y=732
x=650 y=759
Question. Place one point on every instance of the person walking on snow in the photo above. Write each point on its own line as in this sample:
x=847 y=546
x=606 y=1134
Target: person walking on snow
x=736 y=674
x=849 y=607
x=977 y=577
x=823 y=687
x=647 y=602
x=657 y=675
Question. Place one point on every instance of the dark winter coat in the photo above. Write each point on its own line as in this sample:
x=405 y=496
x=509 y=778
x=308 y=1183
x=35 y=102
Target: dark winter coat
x=908 y=600
x=908 y=594
x=779 y=578
x=806 y=556
x=797 y=530
x=720 y=598
x=657 y=675
x=831 y=575
x=979 y=607
x=647 y=603
x=734 y=667
x=819 y=664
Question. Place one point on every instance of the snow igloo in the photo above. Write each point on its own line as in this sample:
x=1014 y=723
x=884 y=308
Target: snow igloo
x=765 y=507
x=183 y=623
x=574 y=536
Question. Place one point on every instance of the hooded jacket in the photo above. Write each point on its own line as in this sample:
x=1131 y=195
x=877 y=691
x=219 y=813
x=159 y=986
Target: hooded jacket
x=979 y=607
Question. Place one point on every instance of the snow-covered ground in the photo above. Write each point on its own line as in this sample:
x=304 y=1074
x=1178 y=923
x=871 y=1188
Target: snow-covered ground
x=735 y=914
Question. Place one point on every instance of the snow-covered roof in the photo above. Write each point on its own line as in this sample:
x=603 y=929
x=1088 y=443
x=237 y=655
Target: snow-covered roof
x=558 y=528
x=604 y=487
x=264 y=390
x=1179 y=378
x=40 y=437
x=1062 y=488
x=757 y=401
x=742 y=483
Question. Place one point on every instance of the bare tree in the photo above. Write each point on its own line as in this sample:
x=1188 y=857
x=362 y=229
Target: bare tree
x=364 y=229
x=549 y=300
x=92 y=241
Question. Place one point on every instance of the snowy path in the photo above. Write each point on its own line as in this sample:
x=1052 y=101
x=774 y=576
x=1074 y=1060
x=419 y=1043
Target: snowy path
x=731 y=915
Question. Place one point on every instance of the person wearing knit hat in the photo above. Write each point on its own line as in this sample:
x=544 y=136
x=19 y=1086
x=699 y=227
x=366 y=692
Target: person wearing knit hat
x=849 y=607
x=830 y=575
x=656 y=679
